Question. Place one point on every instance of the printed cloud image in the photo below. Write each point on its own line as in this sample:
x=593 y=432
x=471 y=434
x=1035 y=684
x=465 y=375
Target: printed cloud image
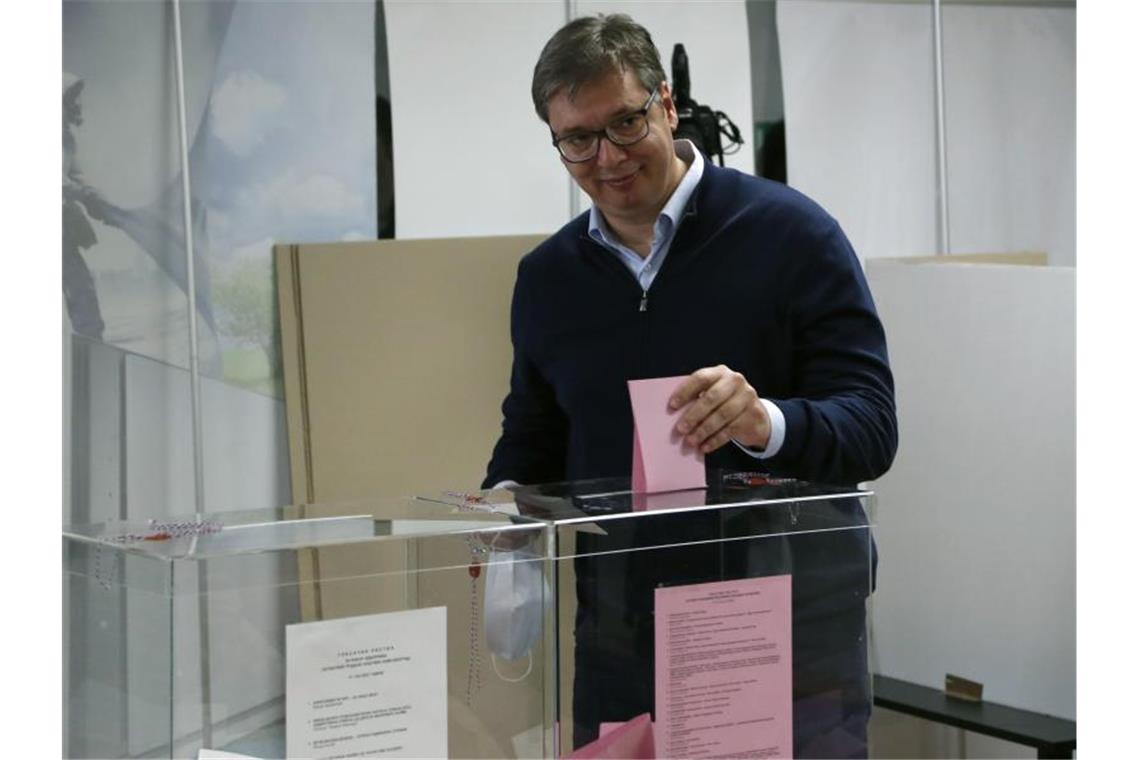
x=282 y=148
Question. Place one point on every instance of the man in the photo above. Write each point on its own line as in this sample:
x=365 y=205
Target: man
x=680 y=268
x=683 y=268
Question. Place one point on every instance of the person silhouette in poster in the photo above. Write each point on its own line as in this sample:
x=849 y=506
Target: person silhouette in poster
x=80 y=204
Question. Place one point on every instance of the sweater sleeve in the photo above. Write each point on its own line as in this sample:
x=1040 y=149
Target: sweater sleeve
x=533 y=443
x=840 y=421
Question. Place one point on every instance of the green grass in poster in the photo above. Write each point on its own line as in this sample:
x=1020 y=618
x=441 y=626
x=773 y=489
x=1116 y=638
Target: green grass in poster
x=249 y=368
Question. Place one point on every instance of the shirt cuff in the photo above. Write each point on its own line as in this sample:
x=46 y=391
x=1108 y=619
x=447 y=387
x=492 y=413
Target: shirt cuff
x=504 y=484
x=776 y=437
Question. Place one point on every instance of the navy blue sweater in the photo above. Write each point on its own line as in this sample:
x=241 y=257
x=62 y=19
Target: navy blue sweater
x=759 y=278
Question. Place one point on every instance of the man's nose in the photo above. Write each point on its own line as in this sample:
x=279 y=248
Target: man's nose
x=609 y=153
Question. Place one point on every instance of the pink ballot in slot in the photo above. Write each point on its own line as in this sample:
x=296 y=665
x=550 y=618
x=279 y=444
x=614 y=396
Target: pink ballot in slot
x=661 y=460
x=632 y=739
x=650 y=502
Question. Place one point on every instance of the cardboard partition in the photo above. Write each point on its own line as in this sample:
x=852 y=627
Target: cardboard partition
x=397 y=357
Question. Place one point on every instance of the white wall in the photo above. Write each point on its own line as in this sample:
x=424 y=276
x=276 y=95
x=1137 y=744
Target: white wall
x=859 y=113
x=859 y=102
x=1010 y=75
x=471 y=156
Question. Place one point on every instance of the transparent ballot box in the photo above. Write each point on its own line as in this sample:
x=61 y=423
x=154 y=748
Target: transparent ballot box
x=573 y=619
x=326 y=630
x=728 y=621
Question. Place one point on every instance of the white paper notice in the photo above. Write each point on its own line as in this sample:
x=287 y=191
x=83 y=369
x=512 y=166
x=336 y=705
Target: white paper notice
x=370 y=686
x=724 y=668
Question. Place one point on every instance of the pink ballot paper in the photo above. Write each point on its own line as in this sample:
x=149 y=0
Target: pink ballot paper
x=724 y=668
x=660 y=463
x=632 y=739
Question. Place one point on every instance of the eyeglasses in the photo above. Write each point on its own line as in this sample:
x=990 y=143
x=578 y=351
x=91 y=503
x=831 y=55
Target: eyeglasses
x=625 y=130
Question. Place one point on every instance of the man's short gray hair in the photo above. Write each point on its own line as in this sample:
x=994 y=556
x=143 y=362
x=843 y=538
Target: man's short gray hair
x=591 y=47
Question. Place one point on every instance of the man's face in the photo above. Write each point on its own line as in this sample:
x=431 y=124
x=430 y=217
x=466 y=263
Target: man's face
x=628 y=183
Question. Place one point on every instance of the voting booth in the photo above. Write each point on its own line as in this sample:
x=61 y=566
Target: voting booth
x=573 y=619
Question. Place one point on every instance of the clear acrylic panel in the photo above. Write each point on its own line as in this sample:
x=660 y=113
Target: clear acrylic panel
x=552 y=599
x=179 y=628
x=615 y=550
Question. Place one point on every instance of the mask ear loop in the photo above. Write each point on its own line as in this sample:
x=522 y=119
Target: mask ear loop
x=499 y=673
x=529 y=653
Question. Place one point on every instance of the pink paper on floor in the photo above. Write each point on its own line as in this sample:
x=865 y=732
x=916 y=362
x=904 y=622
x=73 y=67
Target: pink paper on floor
x=661 y=461
x=632 y=739
x=724 y=668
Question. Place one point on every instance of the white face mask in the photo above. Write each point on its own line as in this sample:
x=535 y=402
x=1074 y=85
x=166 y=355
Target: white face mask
x=512 y=603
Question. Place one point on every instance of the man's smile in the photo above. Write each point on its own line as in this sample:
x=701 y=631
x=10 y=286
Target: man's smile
x=620 y=182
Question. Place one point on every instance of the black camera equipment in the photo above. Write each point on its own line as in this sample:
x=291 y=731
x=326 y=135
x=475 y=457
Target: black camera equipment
x=698 y=123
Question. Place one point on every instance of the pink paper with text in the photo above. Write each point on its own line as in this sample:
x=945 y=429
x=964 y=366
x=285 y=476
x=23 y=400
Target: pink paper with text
x=724 y=668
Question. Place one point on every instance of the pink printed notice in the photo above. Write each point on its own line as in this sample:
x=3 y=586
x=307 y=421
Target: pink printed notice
x=724 y=668
x=661 y=461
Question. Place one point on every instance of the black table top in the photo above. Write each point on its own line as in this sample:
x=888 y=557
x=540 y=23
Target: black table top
x=1009 y=723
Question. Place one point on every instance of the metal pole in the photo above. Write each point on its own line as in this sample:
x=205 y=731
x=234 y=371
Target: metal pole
x=195 y=379
x=940 y=130
x=191 y=286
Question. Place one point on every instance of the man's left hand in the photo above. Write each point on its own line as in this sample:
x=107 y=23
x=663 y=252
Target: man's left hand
x=725 y=407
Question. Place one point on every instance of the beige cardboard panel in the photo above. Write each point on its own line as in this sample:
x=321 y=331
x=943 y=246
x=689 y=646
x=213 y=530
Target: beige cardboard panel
x=397 y=358
x=292 y=360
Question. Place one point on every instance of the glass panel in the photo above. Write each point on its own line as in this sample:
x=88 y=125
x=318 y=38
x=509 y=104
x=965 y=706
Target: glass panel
x=95 y=468
x=198 y=655
x=116 y=703
x=609 y=498
x=547 y=622
x=282 y=148
x=615 y=549
x=610 y=570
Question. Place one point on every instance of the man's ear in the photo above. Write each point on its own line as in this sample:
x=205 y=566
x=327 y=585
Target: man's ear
x=670 y=107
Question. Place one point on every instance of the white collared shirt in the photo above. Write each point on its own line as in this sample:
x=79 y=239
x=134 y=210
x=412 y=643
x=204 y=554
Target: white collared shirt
x=664 y=229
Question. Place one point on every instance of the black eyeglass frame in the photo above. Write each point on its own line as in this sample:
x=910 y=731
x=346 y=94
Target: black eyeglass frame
x=598 y=134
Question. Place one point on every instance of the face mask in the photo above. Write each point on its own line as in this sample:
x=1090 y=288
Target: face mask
x=512 y=603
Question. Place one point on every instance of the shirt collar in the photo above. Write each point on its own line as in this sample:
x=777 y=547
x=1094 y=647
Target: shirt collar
x=674 y=207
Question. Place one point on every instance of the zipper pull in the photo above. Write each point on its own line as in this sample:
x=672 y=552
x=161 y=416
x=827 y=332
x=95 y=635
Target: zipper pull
x=644 y=301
